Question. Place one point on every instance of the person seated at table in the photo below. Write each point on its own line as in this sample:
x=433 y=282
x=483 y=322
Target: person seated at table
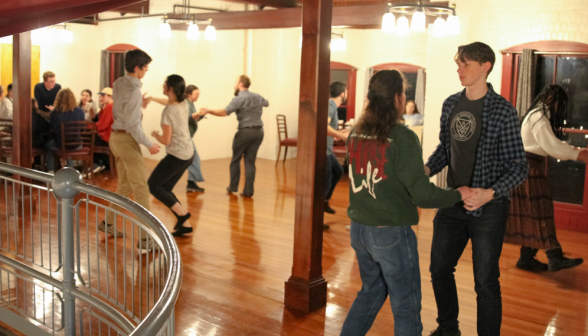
x=64 y=110
x=103 y=129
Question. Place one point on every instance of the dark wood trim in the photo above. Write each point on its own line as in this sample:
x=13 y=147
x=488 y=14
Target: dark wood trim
x=549 y=46
x=342 y=66
x=270 y=3
x=358 y=17
x=22 y=146
x=121 y=47
x=111 y=65
x=506 y=86
x=306 y=289
x=404 y=67
x=515 y=81
x=26 y=16
x=136 y=8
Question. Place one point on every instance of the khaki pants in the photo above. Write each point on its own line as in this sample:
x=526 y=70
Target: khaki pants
x=131 y=173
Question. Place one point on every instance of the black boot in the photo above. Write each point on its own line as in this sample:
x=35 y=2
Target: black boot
x=328 y=208
x=529 y=262
x=557 y=260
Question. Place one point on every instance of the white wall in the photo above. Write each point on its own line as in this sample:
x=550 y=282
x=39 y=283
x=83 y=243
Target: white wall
x=275 y=63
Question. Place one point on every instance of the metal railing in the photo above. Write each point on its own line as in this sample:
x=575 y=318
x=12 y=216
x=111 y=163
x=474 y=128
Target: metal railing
x=60 y=274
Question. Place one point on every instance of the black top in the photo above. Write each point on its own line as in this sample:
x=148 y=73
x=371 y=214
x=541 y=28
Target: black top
x=465 y=125
x=45 y=97
x=41 y=130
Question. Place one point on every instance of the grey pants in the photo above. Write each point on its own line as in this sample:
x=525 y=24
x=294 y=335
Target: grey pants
x=246 y=143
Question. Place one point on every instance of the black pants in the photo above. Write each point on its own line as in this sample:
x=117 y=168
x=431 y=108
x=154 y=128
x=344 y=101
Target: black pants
x=164 y=177
x=334 y=173
x=452 y=229
x=245 y=144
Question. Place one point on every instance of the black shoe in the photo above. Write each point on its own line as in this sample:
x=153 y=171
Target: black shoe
x=193 y=187
x=444 y=332
x=528 y=261
x=245 y=195
x=328 y=208
x=326 y=226
x=230 y=191
x=181 y=231
x=558 y=261
x=181 y=220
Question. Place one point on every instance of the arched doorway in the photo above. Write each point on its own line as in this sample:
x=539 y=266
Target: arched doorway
x=410 y=71
x=113 y=63
x=565 y=64
x=347 y=74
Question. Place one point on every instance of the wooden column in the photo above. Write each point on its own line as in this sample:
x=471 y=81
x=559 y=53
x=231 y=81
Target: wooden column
x=21 y=93
x=306 y=290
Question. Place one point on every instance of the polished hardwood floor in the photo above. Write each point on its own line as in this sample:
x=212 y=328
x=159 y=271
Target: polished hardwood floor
x=240 y=254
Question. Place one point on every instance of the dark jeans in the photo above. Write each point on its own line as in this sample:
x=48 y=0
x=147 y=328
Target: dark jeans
x=164 y=178
x=334 y=173
x=245 y=144
x=388 y=260
x=452 y=230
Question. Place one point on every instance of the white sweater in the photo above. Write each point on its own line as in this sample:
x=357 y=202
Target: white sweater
x=538 y=138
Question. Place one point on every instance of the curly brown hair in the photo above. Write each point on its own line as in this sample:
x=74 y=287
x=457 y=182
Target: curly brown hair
x=65 y=101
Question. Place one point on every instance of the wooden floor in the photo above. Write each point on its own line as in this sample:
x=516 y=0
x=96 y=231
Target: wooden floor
x=240 y=254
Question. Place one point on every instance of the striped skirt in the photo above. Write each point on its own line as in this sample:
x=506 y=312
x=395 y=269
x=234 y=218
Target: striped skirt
x=530 y=221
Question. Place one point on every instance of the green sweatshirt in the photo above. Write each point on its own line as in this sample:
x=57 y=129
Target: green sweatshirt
x=387 y=181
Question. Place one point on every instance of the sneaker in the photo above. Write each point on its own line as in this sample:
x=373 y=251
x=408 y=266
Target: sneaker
x=99 y=169
x=193 y=187
x=532 y=265
x=109 y=229
x=444 y=332
x=144 y=247
x=559 y=261
x=328 y=208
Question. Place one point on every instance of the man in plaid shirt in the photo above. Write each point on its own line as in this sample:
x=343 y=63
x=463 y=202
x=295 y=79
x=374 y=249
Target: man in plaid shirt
x=480 y=141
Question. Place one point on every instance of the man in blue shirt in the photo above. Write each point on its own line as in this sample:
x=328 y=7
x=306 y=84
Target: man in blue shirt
x=338 y=94
x=46 y=92
x=481 y=143
x=248 y=106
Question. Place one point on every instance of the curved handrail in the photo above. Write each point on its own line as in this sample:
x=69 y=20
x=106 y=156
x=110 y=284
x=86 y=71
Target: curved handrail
x=155 y=320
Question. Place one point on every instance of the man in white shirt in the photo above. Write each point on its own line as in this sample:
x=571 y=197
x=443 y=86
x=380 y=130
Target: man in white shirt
x=127 y=136
x=6 y=105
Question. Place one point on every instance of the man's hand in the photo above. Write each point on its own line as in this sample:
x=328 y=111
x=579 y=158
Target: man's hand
x=427 y=170
x=466 y=192
x=195 y=116
x=146 y=100
x=203 y=111
x=344 y=134
x=50 y=107
x=154 y=149
x=481 y=197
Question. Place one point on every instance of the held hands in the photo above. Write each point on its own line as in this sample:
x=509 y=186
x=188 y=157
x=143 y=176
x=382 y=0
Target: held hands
x=201 y=113
x=50 y=107
x=478 y=198
x=343 y=134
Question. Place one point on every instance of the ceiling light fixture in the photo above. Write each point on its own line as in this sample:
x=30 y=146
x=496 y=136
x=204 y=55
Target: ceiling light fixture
x=66 y=35
x=193 y=33
x=165 y=29
x=419 y=14
x=210 y=33
x=338 y=42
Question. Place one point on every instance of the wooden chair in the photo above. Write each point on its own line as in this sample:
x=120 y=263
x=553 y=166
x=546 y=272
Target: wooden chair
x=104 y=150
x=6 y=143
x=77 y=143
x=283 y=137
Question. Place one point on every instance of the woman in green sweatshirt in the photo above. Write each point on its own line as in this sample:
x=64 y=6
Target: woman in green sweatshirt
x=387 y=182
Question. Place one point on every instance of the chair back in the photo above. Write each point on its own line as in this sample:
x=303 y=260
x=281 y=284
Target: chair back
x=5 y=137
x=282 y=127
x=77 y=135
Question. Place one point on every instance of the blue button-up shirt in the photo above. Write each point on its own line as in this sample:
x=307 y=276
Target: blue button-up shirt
x=501 y=163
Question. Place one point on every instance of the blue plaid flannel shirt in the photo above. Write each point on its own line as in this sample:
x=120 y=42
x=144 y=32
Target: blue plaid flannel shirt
x=501 y=163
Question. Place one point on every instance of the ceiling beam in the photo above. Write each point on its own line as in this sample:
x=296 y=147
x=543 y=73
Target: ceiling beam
x=270 y=3
x=31 y=18
x=137 y=8
x=360 y=17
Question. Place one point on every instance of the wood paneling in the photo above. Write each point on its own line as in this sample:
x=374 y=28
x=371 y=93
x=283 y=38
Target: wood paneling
x=361 y=17
x=21 y=16
x=6 y=63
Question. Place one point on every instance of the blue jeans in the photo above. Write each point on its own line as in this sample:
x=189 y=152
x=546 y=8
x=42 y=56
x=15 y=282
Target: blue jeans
x=334 y=173
x=194 y=172
x=388 y=262
x=452 y=229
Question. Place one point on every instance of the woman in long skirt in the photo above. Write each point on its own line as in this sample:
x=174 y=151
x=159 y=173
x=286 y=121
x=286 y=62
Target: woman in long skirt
x=531 y=221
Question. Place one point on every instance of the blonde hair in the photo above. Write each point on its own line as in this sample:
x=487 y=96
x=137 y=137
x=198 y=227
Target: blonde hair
x=65 y=101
